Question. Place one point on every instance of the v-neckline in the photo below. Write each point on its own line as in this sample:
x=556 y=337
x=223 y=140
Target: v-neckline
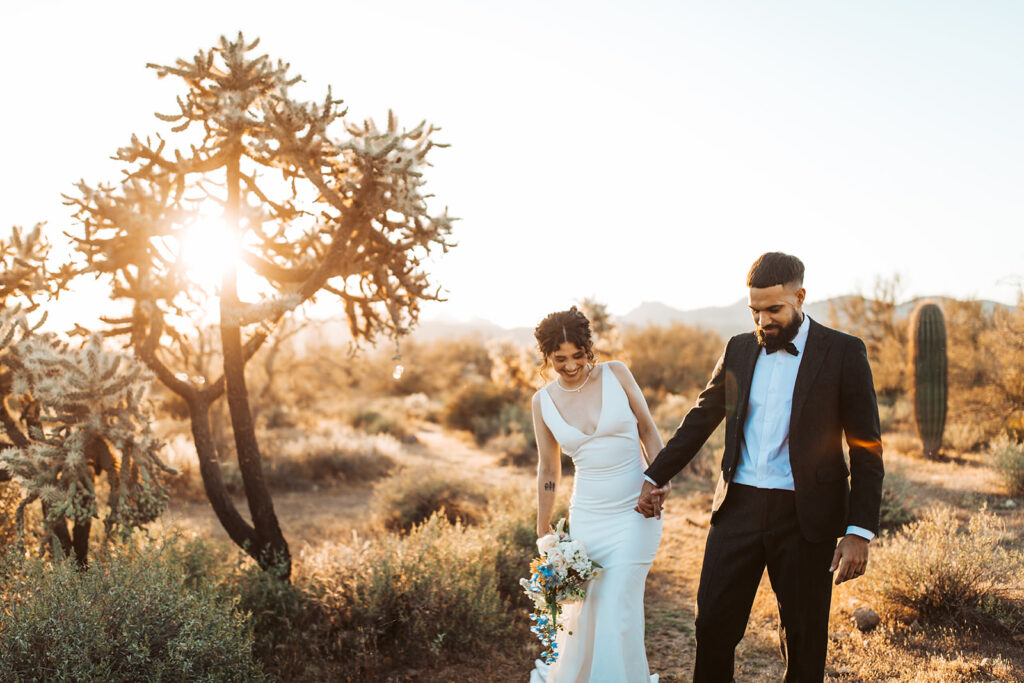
x=600 y=413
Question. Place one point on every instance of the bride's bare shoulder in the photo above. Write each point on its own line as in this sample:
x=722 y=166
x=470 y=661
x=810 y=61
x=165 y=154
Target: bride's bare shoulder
x=618 y=367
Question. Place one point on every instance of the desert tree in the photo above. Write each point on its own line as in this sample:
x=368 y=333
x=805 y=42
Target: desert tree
x=876 y=320
x=82 y=409
x=310 y=206
x=607 y=334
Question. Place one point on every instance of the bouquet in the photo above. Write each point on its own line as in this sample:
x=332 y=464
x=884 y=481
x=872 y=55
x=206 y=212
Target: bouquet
x=559 y=575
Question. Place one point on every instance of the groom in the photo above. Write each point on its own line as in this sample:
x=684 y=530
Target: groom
x=788 y=392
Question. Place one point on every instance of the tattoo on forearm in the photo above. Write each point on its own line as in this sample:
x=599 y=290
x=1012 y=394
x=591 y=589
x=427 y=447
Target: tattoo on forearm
x=549 y=486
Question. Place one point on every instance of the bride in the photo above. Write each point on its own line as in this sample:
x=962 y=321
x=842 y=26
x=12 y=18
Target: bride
x=596 y=413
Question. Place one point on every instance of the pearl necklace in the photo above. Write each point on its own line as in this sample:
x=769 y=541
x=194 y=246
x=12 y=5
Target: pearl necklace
x=576 y=390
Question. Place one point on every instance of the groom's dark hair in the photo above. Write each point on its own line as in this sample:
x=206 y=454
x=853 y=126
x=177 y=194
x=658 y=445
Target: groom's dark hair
x=775 y=268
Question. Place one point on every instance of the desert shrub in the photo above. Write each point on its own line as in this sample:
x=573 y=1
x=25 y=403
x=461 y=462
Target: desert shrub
x=381 y=417
x=905 y=443
x=895 y=414
x=417 y=598
x=897 y=508
x=512 y=522
x=132 y=615
x=413 y=496
x=668 y=413
x=876 y=320
x=986 y=364
x=296 y=459
x=1008 y=460
x=486 y=410
x=938 y=570
x=514 y=447
x=671 y=359
x=289 y=623
x=965 y=436
x=430 y=367
x=10 y=497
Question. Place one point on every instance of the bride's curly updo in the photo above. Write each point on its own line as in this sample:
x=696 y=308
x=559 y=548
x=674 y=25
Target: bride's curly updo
x=564 y=326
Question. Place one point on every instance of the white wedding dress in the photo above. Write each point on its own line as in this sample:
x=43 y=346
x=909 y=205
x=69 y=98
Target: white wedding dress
x=607 y=641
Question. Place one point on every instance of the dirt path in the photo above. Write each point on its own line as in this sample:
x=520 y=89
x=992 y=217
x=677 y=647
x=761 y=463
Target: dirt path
x=334 y=511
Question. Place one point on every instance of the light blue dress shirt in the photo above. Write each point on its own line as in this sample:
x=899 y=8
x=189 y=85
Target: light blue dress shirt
x=764 y=448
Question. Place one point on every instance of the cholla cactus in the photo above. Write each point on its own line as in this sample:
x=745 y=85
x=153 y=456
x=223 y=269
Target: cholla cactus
x=23 y=271
x=82 y=412
x=91 y=419
x=513 y=366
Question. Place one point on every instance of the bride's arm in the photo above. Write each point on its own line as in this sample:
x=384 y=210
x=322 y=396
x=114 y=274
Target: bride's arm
x=549 y=469
x=649 y=436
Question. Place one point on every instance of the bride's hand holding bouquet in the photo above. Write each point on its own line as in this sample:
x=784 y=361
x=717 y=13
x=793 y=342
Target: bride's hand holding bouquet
x=560 y=574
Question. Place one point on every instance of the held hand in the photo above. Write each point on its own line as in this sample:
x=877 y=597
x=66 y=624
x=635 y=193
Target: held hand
x=659 y=495
x=851 y=558
x=650 y=501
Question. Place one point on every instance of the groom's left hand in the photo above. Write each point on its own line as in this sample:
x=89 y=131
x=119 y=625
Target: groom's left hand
x=850 y=558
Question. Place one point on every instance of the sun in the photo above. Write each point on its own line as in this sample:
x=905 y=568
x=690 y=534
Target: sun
x=208 y=250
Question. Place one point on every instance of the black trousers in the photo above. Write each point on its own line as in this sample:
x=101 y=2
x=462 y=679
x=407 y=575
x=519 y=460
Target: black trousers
x=757 y=528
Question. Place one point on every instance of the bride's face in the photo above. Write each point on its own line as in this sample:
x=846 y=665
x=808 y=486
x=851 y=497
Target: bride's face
x=569 y=361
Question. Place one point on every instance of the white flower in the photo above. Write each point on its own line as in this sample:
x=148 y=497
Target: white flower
x=545 y=543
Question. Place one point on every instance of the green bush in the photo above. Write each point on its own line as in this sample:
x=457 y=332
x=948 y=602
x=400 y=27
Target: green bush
x=290 y=624
x=512 y=522
x=1008 y=460
x=296 y=459
x=412 y=496
x=514 y=447
x=411 y=599
x=896 y=509
x=486 y=410
x=671 y=359
x=132 y=615
x=938 y=570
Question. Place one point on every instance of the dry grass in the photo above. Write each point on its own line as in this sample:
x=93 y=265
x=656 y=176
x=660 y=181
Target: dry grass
x=895 y=651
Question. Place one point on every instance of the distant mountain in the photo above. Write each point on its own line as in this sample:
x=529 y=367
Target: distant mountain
x=429 y=330
x=725 y=320
x=735 y=318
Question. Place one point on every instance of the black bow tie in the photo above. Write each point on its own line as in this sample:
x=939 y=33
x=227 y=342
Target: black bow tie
x=788 y=347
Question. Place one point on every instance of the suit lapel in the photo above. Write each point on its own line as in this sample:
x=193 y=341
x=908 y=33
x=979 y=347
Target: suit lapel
x=745 y=376
x=814 y=355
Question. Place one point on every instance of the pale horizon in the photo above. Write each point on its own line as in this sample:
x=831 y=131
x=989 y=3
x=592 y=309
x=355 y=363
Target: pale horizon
x=628 y=154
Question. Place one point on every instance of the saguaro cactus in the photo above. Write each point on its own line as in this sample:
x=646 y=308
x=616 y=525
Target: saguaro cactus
x=930 y=388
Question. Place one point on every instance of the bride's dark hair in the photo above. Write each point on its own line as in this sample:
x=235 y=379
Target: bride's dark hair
x=564 y=326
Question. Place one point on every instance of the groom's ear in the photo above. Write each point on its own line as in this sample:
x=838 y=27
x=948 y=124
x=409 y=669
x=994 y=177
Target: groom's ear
x=800 y=295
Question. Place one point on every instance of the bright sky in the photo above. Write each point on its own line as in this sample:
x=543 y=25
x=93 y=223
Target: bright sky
x=629 y=151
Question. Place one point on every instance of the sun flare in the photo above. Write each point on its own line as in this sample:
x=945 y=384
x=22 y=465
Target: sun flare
x=209 y=249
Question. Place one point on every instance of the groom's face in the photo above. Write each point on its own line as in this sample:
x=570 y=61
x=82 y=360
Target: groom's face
x=777 y=313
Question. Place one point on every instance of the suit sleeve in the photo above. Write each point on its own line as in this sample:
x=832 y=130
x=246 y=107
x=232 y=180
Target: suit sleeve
x=859 y=413
x=694 y=430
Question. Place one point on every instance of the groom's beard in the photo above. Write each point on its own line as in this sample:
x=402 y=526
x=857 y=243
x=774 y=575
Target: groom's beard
x=785 y=335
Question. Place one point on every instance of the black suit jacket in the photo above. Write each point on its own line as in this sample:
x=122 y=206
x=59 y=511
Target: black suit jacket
x=834 y=394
